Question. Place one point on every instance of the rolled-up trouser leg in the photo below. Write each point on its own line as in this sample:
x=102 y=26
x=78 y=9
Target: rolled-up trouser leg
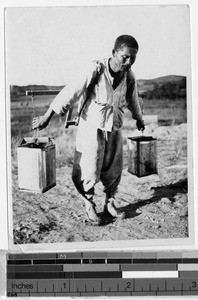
x=113 y=163
x=88 y=163
x=77 y=178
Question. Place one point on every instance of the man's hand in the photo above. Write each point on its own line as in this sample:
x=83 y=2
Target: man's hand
x=140 y=124
x=42 y=121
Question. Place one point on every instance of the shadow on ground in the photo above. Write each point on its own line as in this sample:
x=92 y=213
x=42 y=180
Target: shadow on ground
x=167 y=191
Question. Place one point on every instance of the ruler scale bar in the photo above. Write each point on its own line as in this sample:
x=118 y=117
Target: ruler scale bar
x=109 y=284
x=19 y=262
x=102 y=273
x=93 y=261
x=170 y=260
x=91 y=268
x=149 y=267
x=117 y=267
x=135 y=254
x=58 y=275
x=150 y=274
x=190 y=261
x=145 y=260
x=191 y=274
x=25 y=269
x=109 y=261
x=188 y=267
x=30 y=256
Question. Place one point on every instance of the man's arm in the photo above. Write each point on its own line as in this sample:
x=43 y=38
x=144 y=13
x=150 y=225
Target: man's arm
x=67 y=97
x=74 y=90
x=132 y=100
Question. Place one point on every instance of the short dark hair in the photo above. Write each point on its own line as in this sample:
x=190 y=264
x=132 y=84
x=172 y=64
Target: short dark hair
x=125 y=40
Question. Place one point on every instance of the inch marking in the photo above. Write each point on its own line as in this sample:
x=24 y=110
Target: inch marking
x=169 y=292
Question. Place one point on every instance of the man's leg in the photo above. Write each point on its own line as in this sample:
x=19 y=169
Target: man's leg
x=86 y=171
x=112 y=170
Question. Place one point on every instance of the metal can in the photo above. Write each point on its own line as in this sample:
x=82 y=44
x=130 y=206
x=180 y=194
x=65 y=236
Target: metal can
x=142 y=155
x=36 y=164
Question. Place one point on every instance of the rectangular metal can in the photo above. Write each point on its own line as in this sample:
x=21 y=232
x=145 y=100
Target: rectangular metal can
x=142 y=155
x=36 y=164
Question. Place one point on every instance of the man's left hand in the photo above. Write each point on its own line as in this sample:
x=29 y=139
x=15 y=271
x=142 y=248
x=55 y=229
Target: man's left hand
x=140 y=124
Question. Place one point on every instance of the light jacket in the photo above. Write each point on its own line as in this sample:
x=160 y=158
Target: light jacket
x=104 y=107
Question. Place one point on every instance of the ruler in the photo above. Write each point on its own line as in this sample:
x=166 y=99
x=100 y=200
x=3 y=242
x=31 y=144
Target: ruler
x=102 y=274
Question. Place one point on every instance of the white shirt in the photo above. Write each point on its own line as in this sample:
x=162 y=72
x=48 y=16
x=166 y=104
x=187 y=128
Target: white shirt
x=103 y=109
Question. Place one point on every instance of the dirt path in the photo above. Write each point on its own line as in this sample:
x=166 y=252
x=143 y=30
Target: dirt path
x=156 y=206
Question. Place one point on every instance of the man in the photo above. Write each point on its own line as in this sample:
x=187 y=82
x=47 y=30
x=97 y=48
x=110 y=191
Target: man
x=103 y=91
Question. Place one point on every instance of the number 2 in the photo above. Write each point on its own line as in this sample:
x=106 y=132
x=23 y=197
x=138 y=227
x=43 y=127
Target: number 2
x=128 y=285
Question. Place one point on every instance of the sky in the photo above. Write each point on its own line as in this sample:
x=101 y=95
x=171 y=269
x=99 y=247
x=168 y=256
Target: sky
x=45 y=45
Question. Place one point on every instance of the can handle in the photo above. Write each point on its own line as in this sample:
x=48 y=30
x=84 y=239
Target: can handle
x=34 y=115
x=50 y=142
x=141 y=102
x=35 y=135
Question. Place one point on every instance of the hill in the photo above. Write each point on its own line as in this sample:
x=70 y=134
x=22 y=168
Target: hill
x=170 y=87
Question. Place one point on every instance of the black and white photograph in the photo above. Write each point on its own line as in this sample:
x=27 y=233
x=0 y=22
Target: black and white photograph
x=99 y=125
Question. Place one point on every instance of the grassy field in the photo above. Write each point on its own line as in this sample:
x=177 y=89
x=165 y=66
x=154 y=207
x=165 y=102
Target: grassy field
x=156 y=206
x=170 y=112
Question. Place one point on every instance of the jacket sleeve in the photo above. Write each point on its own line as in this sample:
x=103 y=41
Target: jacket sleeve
x=73 y=90
x=132 y=98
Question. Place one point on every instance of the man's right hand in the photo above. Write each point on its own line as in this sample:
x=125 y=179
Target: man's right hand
x=40 y=122
x=140 y=124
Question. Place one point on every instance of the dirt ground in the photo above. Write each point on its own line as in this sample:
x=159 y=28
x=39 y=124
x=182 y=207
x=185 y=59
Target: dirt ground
x=156 y=206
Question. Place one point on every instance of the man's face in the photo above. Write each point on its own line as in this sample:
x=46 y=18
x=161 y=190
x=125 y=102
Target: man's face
x=124 y=58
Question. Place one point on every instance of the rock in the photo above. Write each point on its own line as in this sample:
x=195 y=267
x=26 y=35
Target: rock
x=170 y=132
x=165 y=201
x=162 y=132
x=173 y=174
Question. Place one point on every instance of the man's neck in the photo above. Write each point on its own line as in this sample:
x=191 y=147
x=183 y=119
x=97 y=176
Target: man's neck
x=113 y=71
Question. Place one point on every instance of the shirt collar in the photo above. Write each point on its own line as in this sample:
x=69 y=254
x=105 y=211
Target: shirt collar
x=106 y=64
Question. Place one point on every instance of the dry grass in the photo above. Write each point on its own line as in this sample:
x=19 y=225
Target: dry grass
x=170 y=112
x=156 y=206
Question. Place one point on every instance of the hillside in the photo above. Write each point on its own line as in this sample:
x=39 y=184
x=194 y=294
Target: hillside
x=171 y=87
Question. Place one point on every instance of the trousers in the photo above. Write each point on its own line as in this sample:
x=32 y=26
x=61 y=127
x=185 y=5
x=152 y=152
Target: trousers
x=98 y=157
